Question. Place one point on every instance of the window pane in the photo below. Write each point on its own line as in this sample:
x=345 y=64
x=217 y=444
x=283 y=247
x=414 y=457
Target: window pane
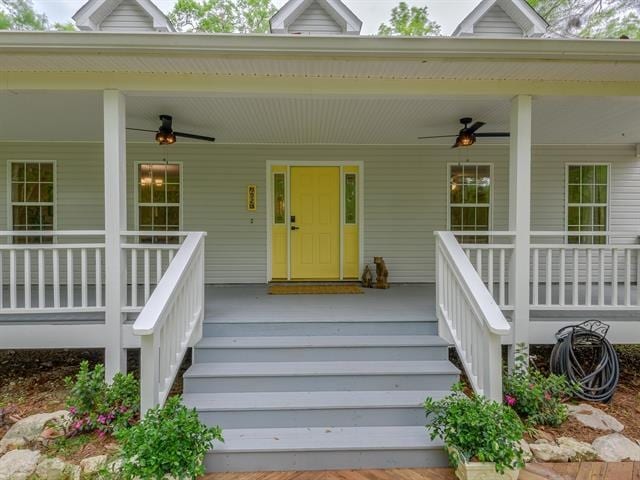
x=455 y=184
x=470 y=194
x=602 y=174
x=279 y=204
x=469 y=218
x=173 y=193
x=482 y=218
x=573 y=216
x=587 y=193
x=32 y=193
x=456 y=218
x=46 y=172
x=19 y=215
x=158 y=191
x=17 y=192
x=574 y=174
x=33 y=172
x=601 y=194
x=33 y=216
x=173 y=173
x=456 y=193
x=173 y=216
x=17 y=171
x=574 y=193
x=145 y=219
x=588 y=174
x=586 y=217
x=350 y=198
x=159 y=217
x=47 y=215
x=46 y=192
x=600 y=217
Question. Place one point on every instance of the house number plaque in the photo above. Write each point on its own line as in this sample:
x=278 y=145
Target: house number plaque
x=251 y=198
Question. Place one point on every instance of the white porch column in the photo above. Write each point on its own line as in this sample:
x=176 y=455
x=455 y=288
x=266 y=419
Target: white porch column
x=115 y=221
x=520 y=217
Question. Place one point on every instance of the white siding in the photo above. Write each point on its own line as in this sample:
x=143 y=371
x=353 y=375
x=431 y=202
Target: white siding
x=496 y=23
x=128 y=16
x=315 y=20
x=405 y=195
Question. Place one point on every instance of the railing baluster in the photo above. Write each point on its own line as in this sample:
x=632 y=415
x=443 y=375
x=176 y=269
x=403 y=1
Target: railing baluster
x=576 y=280
x=41 y=284
x=70 y=286
x=1 y=281
x=602 y=278
x=55 y=256
x=147 y=275
x=587 y=285
x=614 y=279
x=13 y=280
x=134 y=278
x=479 y=262
x=502 y=285
x=627 y=278
x=158 y=266
x=561 y=280
x=27 y=279
x=98 y=277
x=83 y=277
x=490 y=271
x=535 y=300
x=549 y=278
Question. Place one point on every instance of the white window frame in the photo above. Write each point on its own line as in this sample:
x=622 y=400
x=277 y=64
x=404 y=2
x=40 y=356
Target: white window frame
x=10 y=202
x=566 y=200
x=491 y=193
x=137 y=204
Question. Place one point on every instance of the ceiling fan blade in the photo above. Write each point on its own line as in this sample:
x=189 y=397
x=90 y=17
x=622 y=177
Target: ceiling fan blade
x=438 y=136
x=493 y=134
x=193 y=136
x=142 y=130
x=475 y=127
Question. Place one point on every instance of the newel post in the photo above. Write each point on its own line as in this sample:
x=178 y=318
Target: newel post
x=115 y=221
x=520 y=218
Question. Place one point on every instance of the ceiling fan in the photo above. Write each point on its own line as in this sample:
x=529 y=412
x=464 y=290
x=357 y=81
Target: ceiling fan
x=165 y=134
x=467 y=135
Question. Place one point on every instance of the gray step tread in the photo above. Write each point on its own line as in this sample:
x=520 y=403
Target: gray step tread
x=300 y=317
x=261 y=440
x=322 y=341
x=279 y=369
x=308 y=400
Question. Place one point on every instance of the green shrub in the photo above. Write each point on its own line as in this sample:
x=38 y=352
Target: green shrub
x=168 y=440
x=536 y=397
x=476 y=429
x=96 y=405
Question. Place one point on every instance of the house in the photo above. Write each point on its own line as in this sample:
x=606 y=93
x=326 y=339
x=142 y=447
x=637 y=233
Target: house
x=121 y=239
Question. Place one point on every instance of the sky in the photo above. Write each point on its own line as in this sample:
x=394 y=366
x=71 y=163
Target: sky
x=448 y=13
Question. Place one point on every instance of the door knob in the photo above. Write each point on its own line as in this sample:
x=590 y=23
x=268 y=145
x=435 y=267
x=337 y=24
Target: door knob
x=293 y=227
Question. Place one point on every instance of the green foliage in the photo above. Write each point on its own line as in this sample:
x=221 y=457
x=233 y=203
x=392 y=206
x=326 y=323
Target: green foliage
x=536 y=397
x=96 y=405
x=167 y=441
x=591 y=18
x=476 y=429
x=222 y=16
x=407 y=21
x=21 y=15
x=67 y=446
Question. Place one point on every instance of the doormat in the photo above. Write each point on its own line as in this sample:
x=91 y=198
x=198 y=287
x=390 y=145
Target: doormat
x=314 y=289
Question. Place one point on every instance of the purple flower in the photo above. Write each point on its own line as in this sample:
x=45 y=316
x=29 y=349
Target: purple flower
x=123 y=409
x=509 y=400
x=73 y=410
x=102 y=419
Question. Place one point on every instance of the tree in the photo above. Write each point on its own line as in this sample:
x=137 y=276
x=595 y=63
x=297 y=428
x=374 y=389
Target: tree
x=407 y=21
x=20 y=15
x=591 y=18
x=223 y=16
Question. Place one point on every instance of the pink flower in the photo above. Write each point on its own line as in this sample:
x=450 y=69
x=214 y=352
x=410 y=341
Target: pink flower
x=102 y=434
x=102 y=419
x=509 y=400
x=73 y=410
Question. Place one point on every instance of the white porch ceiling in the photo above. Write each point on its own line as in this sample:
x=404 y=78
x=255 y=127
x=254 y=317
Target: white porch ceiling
x=71 y=116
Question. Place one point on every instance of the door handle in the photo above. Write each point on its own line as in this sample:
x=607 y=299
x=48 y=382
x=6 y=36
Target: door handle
x=293 y=227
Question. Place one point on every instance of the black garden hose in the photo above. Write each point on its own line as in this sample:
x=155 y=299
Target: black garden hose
x=585 y=356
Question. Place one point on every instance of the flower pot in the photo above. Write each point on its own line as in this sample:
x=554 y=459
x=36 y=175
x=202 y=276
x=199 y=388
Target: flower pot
x=483 y=471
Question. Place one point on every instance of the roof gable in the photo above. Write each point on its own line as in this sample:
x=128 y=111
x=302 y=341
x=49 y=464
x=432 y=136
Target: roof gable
x=111 y=15
x=502 y=18
x=315 y=17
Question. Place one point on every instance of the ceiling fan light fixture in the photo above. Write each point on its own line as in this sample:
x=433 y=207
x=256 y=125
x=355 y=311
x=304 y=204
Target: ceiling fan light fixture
x=465 y=139
x=165 y=137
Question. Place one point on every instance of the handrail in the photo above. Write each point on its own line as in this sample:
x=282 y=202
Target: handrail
x=51 y=233
x=171 y=321
x=469 y=316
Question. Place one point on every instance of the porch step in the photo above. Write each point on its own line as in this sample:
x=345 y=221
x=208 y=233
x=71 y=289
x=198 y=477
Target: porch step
x=320 y=376
x=320 y=347
x=270 y=449
x=413 y=326
x=311 y=409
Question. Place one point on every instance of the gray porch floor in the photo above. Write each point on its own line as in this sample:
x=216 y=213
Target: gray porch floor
x=252 y=303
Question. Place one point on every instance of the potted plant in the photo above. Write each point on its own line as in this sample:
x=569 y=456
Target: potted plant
x=481 y=436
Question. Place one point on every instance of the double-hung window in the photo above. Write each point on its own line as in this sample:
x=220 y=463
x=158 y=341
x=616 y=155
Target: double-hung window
x=32 y=198
x=159 y=200
x=470 y=200
x=587 y=202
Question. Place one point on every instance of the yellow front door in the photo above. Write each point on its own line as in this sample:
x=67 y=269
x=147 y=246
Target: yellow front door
x=315 y=223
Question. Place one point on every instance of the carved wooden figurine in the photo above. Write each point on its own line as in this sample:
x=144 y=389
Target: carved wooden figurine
x=382 y=274
x=367 y=278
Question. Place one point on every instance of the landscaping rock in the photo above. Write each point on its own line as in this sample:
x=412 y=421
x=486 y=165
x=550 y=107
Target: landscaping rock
x=615 y=447
x=30 y=428
x=582 y=451
x=547 y=452
x=594 y=418
x=526 y=451
x=92 y=465
x=18 y=464
x=53 y=469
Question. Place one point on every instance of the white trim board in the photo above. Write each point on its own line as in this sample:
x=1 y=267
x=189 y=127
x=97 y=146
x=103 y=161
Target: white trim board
x=269 y=204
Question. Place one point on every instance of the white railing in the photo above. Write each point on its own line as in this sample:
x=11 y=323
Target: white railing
x=51 y=277
x=492 y=262
x=573 y=277
x=146 y=264
x=469 y=317
x=171 y=321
